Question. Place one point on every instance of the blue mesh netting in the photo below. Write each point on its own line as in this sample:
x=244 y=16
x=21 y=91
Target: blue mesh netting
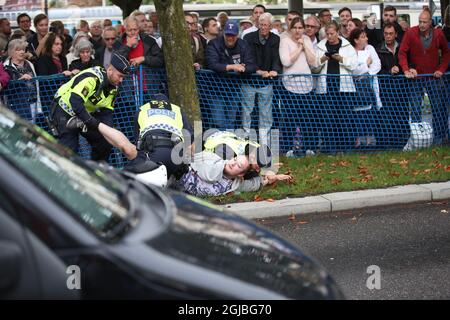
x=315 y=113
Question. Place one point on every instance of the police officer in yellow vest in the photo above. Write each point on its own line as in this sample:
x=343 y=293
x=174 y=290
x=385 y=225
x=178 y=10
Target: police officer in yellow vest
x=228 y=145
x=90 y=97
x=160 y=126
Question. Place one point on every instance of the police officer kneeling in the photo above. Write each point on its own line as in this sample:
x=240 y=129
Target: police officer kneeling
x=163 y=133
x=90 y=97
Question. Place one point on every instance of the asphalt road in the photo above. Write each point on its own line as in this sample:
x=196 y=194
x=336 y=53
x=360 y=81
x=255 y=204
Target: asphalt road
x=409 y=243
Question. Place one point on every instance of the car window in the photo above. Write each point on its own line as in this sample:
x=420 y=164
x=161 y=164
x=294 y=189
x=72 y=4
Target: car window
x=97 y=199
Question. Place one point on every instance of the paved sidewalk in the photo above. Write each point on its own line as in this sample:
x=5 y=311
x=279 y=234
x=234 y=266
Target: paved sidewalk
x=343 y=200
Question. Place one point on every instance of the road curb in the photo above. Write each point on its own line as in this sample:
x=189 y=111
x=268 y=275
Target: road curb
x=342 y=201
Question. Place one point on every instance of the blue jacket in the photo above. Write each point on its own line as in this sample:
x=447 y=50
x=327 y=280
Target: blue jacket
x=218 y=56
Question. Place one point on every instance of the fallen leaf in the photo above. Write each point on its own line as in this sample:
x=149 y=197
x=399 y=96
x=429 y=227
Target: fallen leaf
x=270 y=200
x=427 y=171
x=332 y=172
x=335 y=181
x=363 y=170
x=394 y=174
x=302 y=222
x=344 y=163
x=367 y=178
x=438 y=165
x=404 y=163
x=415 y=172
x=393 y=161
x=435 y=153
x=258 y=198
x=353 y=179
x=447 y=169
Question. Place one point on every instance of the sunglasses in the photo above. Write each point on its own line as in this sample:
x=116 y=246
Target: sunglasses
x=109 y=39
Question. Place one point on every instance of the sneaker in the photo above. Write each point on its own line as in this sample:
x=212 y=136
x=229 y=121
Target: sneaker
x=371 y=141
x=310 y=153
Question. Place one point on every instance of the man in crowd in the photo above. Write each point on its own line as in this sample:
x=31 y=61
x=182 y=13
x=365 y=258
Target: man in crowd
x=345 y=15
x=312 y=27
x=138 y=47
x=394 y=129
x=96 y=35
x=24 y=23
x=198 y=53
x=325 y=18
x=227 y=53
x=257 y=11
x=376 y=36
x=265 y=48
x=210 y=30
x=424 y=50
x=5 y=33
x=104 y=53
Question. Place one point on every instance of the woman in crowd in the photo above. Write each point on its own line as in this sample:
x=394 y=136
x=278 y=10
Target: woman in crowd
x=354 y=24
x=297 y=56
x=4 y=77
x=51 y=62
x=58 y=28
x=367 y=89
x=52 y=59
x=336 y=60
x=84 y=50
x=24 y=95
x=80 y=35
x=37 y=40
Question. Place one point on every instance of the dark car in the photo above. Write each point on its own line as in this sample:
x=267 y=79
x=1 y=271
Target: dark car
x=70 y=228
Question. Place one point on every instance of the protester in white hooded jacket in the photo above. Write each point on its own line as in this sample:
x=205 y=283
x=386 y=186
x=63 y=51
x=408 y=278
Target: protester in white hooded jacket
x=346 y=57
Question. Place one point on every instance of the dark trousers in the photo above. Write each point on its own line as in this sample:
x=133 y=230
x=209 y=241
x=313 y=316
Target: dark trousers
x=158 y=155
x=101 y=149
x=393 y=127
x=303 y=116
x=439 y=99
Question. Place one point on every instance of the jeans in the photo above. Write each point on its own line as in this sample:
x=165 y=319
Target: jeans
x=265 y=95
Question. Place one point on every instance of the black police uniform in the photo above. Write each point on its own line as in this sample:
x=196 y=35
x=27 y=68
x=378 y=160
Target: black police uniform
x=156 y=141
x=90 y=97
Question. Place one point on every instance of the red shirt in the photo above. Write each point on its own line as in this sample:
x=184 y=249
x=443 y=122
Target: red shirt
x=425 y=61
x=58 y=65
x=136 y=52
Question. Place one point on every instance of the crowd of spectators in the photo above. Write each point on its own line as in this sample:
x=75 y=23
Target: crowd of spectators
x=318 y=58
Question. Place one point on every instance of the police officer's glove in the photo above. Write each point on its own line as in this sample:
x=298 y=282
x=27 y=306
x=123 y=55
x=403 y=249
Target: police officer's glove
x=75 y=123
x=92 y=123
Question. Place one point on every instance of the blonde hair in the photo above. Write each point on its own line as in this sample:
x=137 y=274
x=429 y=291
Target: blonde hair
x=16 y=44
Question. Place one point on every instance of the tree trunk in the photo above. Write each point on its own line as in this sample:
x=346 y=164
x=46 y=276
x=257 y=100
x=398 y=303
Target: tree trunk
x=127 y=6
x=444 y=4
x=178 y=57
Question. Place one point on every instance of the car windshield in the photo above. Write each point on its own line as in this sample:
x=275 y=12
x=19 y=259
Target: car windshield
x=98 y=199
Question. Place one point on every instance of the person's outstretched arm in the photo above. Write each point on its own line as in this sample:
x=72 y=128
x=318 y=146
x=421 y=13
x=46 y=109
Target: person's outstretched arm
x=118 y=140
